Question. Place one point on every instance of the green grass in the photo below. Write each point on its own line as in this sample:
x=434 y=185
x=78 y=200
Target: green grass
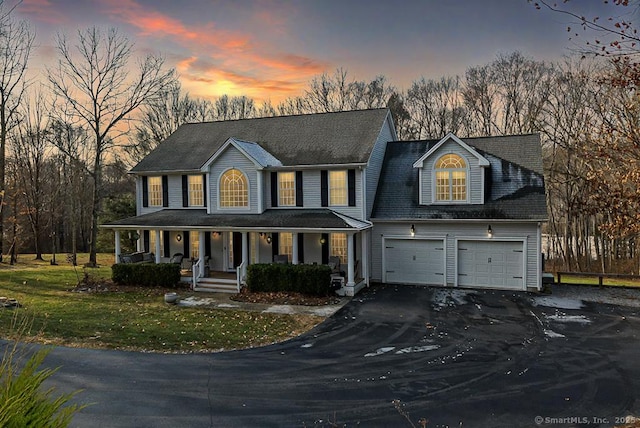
x=135 y=320
x=607 y=282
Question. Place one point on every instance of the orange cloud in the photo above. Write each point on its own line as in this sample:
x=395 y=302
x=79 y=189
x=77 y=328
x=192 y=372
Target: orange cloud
x=230 y=60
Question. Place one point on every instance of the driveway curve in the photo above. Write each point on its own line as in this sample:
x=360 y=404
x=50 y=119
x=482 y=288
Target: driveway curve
x=453 y=357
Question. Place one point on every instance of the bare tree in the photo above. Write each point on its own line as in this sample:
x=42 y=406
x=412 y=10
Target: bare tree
x=16 y=42
x=91 y=81
x=30 y=150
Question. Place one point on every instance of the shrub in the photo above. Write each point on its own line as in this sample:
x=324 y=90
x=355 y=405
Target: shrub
x=146 y=274
x=305 y=279
x=23 y=402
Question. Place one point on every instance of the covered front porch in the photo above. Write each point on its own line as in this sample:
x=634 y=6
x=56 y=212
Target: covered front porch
x=215 y=250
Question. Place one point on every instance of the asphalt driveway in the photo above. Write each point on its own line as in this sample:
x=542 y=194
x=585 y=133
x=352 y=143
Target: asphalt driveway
x=454 y=357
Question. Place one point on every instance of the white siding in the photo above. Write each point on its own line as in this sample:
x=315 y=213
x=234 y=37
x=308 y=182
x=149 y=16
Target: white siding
x=461 y=230
x=233 y=158
x=475 y=176
x=375 y=165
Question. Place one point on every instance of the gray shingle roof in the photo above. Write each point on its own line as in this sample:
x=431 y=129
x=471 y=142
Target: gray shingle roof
x=312 y=139
x=516 y=182
x=270 y=219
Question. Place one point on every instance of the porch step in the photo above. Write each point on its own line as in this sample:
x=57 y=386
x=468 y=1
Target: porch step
x=217 y=285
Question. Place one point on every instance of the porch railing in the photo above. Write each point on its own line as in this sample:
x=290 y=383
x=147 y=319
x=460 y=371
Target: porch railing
x=241 y=272
x=195 y=273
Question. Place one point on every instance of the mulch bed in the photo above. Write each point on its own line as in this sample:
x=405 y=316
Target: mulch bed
x=284 y=298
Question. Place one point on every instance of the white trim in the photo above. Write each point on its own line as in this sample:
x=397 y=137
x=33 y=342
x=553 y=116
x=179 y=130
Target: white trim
x=235 y=143
x=231 y=209
x=539 y=257
x=439 y=238
x=363 y=186
x=420 y=187
x=524 y=241
x=259 y=184
x=482 y=161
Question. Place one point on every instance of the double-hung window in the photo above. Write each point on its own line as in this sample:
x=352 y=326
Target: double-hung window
x=338 y=191
x=338 y=246
x=285 y=244
x=155 y=191
x=286 y=189
x=196 y=191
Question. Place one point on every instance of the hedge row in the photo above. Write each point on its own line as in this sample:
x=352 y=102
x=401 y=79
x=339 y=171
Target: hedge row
x=306 y=279
x=146 y=274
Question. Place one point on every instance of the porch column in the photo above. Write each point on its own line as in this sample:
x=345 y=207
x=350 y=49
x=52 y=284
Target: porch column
x=157 y=250
x=201 y=250
x=118 y=250
x=139 y=242
x=245 y=249
x=294 y=256
x=365 y=256
x=351 y=267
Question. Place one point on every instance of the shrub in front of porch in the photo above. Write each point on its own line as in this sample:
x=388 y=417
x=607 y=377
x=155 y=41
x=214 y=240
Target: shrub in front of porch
x=146 y=274
x=306 y=279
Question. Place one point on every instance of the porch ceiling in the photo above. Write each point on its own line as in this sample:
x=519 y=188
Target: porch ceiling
x=280 y=219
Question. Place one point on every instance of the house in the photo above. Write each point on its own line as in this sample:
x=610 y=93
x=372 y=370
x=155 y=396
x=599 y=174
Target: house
x=237 y=192
x=307 y=188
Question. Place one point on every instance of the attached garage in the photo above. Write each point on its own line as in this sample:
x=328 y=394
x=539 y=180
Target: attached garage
x=491 y=264
x=414 y=261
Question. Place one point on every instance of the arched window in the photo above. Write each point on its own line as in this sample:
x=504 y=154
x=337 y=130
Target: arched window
x=234 y=191
x=451 y=178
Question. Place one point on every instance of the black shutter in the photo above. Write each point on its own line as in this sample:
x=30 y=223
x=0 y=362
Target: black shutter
x=145 y=191
x=274 y=189
x=325 y=249
x=185 y=191
x=299 y=198
x=275 y=244
x=207 y=244
x=204 y=189
x=324 y=188
x=146 y=239
x=165 y=191
x=186 y=249
x=167 y=243
x=351 y=187
x=300 y=247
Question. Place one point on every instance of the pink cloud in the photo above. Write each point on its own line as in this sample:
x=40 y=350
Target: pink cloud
x=42 y=11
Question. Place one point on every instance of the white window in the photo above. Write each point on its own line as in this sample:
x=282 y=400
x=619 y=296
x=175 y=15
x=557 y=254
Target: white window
x=338 y=188
x=196 y=191
x=285 y=244
x=194 y=242
x=451 y=178
x=234 y=191
x=286 y=189
x=155 y=191
x=338 y=246
x=152 y=241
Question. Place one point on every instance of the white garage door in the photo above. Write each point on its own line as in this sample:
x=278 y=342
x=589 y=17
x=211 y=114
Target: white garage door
x=492 y=264
x=414 y=261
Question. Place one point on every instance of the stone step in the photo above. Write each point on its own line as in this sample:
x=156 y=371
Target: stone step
x=216 y=286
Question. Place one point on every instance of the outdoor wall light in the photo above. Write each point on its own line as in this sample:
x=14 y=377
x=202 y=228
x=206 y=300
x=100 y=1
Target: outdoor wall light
x=323 y=241
x=269 y=239
x=489 y=232
x=413 y=230
x=178 y=237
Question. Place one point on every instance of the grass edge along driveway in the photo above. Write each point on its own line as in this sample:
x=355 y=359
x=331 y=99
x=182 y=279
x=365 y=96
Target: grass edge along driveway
x=133 y=320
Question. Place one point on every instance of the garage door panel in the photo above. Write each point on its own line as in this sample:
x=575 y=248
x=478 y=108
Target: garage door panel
x=416 y=261
x=495 y=264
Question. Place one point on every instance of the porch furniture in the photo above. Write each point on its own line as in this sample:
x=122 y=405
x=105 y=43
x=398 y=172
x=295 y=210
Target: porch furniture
x=177 y=258
x=138 y=257
x=282 y=259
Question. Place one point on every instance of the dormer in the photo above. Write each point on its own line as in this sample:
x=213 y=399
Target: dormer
x=451 y=173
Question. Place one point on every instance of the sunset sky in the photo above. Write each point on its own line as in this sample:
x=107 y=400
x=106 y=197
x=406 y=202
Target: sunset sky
x=270 y=49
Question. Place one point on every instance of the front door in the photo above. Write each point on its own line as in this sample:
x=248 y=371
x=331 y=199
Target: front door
x=234 y=250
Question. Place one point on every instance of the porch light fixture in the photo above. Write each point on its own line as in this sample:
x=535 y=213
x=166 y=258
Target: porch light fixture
x=413 y=230
x=323 y=241
x=269 y=239
x=178 y=237
x=489 y=232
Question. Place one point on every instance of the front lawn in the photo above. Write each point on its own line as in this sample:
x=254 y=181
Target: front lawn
x=132 y=320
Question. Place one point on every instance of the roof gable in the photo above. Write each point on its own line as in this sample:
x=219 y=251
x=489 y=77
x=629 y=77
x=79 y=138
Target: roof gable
x=313 y=139
x=450 y=136
x=256 y=154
